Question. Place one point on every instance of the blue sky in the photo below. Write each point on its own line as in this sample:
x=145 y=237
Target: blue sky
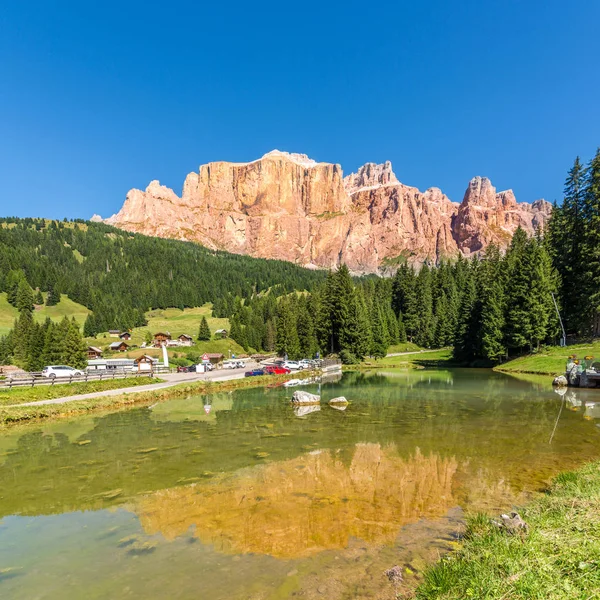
x=97 y=98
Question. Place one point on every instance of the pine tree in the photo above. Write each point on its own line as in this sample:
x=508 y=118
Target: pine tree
x=53 y=297
x=52 y=353
x=591 y=244
x=73 y=350
x=379 y=344
x=492 y=306
x=204 y=333
x=464 y=343
x=287 y=342
x=89 y=326
x=39 y=299
x=24 y=299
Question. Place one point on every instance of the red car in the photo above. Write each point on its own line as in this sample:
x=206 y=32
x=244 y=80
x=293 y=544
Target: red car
x=276 y=370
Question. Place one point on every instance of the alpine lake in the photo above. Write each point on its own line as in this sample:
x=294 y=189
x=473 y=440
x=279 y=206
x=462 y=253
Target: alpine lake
x=239 y=495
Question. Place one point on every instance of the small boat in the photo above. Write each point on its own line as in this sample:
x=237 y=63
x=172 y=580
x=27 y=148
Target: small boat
x=292 y=382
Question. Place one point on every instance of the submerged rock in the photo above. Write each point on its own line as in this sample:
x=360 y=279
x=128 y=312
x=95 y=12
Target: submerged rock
x=338 y=400
x=302 y=397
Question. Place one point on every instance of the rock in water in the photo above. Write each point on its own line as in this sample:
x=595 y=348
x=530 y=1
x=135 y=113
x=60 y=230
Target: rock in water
x=301 y=397
x=338 y=400
x=560 y=381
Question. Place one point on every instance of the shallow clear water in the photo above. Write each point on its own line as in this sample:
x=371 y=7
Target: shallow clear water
x=238 y=495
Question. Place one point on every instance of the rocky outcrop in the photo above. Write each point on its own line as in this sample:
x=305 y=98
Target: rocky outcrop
x=290 y=207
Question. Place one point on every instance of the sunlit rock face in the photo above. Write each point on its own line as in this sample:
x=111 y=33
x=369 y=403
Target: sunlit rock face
x=303 y=506
x=290 y=207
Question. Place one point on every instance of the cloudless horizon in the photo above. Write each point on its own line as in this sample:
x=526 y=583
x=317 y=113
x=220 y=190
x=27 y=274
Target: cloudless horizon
x=96 y=99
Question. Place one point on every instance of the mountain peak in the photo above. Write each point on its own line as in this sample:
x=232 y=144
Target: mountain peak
x=370 y=175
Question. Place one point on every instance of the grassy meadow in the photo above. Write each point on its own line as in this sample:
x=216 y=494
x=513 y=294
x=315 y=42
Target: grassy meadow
x=50 y=392
x=549 y=360
x=176 y=322
x=65 y=307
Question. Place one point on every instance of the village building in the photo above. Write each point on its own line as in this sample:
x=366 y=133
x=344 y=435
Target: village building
x=145 y=363
x=222 y=333
x=93 y=352
x=118 y=347
x=161 y=338
x=114 y=332
x=185 y=340
x=215 y=358
x=126 y=336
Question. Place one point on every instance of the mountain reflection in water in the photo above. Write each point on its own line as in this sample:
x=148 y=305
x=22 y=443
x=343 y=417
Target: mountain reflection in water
x=308 y=504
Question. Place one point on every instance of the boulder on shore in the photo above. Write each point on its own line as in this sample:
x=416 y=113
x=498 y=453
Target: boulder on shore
x=338 y=400
x=301 y=397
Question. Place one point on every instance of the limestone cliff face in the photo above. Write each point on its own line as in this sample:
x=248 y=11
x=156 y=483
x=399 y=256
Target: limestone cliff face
x=290 y=207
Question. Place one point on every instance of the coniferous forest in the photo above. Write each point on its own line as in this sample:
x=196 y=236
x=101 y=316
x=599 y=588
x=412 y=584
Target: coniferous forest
x=488 y=308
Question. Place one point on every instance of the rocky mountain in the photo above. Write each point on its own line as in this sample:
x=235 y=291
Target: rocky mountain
x=290 y=207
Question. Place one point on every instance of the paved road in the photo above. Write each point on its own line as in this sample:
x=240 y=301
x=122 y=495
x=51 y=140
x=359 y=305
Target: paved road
x=171 y=379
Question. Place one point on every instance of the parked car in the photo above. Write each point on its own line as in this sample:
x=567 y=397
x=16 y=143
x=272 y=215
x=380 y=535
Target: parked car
x=276 y=370
x=292 y=365
x=307 y=364
x=254 y=373
x=60 y=371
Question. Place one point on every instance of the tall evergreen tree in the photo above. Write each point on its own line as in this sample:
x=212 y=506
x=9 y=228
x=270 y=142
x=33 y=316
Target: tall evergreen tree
x=204 y=330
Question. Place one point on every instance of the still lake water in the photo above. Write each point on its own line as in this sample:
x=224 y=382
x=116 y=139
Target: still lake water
x=240 y=496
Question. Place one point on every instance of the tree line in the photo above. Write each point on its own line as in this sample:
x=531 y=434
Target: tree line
x=33 y=345
x=119 y=275
x=574 y=242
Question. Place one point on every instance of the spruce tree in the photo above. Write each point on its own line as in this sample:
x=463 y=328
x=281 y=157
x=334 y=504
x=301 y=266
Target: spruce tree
x=24 y=299
x=39 y=299
x=591 y=243
x=287 y=342
x=73 y=349
x=492 y=306
x=204 y=330
x=380 y=338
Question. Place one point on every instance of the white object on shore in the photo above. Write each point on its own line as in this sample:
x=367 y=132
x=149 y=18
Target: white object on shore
x=292 y=382
x=302 y=397
x=560 y=381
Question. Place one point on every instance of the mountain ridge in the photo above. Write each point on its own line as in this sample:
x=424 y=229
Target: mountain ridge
x=288 y=206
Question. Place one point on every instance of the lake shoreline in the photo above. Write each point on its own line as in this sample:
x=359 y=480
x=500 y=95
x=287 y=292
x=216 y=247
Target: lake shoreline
x=556 y=557
x=10 y=416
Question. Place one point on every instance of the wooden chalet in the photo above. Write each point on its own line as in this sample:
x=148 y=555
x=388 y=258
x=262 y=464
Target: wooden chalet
x=161 y=338
x=93 y=352
x=185 y=340
x=118 y=346
x=214 y=357
x=222 y=333
x=126 y=336
x=114 y=332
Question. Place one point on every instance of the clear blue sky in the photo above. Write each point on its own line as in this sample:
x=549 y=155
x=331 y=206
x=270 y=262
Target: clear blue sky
x=97 y=98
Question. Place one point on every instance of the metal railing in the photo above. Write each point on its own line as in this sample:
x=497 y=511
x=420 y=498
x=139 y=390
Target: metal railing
x=33 y=379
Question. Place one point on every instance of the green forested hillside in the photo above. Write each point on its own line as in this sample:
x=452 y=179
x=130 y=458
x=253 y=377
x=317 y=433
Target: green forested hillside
x=119 y=276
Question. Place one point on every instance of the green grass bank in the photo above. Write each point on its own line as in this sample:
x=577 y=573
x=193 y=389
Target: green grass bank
x=50 y=392
x=557 y=559
x=10 y=416
x=550 y=360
